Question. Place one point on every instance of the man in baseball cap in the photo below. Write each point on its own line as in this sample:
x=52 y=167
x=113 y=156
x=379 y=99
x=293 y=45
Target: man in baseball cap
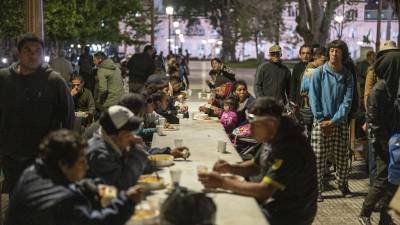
x=273 y=78
x=114 y=153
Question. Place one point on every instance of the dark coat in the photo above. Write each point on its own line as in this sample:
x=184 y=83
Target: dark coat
x=30 y=107
x=118 y=169
x=84 y=101
x=272 y=80
x=141 y=66
x=44 y=196
x=295 y=83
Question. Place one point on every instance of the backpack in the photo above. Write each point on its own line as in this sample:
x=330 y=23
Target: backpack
x=185 y=207
x=394 y=155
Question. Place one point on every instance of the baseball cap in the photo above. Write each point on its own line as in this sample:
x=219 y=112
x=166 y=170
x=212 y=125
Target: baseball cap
x=118 y=118
x=275 y=48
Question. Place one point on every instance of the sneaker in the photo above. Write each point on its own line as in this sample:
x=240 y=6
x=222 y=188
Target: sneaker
x=320 y=198
x=346 y=193
x=364 y=220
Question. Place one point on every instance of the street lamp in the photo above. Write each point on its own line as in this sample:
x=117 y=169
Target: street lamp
x=340 y=20
x=169 y=11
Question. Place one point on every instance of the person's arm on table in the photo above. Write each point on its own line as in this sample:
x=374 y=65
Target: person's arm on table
x=245 y=169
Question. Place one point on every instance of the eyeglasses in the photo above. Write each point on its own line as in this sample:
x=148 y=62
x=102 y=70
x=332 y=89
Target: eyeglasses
x=254 y=118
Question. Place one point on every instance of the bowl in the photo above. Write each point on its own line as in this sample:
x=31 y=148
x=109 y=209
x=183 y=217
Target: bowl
x=144 y=217
x=151 y=182
x=161 y=160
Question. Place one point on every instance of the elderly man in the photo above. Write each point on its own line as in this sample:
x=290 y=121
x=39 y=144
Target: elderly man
x=34 y=100
x=273 y=78
x=331 y=94
x=110 y=88
x=286 y=162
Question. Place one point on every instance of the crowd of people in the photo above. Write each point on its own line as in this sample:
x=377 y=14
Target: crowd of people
x=66 y=137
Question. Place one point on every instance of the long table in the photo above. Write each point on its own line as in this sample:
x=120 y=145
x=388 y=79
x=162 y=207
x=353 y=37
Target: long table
x=201 y=138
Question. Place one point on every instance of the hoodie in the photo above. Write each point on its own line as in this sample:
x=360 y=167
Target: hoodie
x=30 y=107
x=110 y=85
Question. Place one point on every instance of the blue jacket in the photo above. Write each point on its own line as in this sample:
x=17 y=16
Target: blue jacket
x=331 y=94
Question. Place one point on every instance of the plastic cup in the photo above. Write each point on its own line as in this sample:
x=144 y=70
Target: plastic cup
x=199 y=95
x=161 y=121
x=221 y=146
x=191 y=115
x=175 y=175
x=160 y=130
x=189 y=92
x=180 y=116
x=208 y=96
x=178 y=143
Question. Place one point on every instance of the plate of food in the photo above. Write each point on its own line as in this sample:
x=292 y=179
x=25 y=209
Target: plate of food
x=151 y=182
x=201 y=116
x=144 y=216
x=170 y=127
x=161 y=160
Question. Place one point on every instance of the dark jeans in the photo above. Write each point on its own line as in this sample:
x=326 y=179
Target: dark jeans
x=12 y=172
x=371 y=163
x=381 y=188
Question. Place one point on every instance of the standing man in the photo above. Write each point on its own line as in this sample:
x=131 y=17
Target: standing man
x=86 y=68
x=141 y=66
x=305 y=54
x=34 y=100
x=331 y=94
x=62 y=65
x=110 y=89
x=381 y=126
x=362 y=69
x=273 y=78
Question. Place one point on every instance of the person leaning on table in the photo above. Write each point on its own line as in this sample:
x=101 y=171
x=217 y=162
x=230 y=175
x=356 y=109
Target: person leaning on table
x=286 y=162
x=53 y=191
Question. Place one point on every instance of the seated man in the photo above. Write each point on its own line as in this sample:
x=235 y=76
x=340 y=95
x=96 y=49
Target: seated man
x=286 y=162
x=114 y=154
x=83 y=98
x=222 y=90
x=83 y=101
x=52 y=191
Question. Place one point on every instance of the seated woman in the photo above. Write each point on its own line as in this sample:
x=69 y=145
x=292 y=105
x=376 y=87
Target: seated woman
x=240 y=92
x=215 y=103
x=52 y=191
x=219 y=70
x=160 y=101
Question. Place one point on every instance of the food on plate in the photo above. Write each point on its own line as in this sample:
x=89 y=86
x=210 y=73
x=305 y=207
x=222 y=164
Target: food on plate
x=160 y=157
x=141 y=214
x=150 y=179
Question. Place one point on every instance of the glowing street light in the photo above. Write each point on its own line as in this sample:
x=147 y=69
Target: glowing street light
x=339 y=19
x=178 y=31
x=176 y=24
x=169 y=10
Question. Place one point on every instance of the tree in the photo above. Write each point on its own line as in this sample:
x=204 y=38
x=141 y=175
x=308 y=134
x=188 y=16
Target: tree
x=230 y=18
x=314 y=20
x=12 y=24
x=396 y=9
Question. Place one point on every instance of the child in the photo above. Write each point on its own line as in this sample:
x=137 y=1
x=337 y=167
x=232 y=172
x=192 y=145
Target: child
x=229 y=118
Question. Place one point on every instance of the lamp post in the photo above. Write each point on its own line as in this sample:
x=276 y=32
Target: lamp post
x=340 y=19
x=169 y=11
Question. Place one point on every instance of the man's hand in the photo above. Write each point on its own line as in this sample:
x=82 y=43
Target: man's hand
x=202 y=109
x=217 y=111
x=326 y=127
x=222 y=166
x=210 y=101
x=211 y=180
x=181 y=152
x=136 y=140
x=365 y=127
x=135 y=193
x=74 y=91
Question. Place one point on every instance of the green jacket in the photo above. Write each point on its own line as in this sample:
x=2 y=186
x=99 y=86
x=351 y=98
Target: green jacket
x=110 y=89
x=84 y=101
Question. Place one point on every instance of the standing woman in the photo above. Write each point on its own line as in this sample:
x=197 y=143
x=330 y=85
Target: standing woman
x=240 y=92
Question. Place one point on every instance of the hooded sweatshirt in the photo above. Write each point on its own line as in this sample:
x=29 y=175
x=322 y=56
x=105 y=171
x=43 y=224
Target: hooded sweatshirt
x=110 y=85
x=30 y=107
x=331 y=94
